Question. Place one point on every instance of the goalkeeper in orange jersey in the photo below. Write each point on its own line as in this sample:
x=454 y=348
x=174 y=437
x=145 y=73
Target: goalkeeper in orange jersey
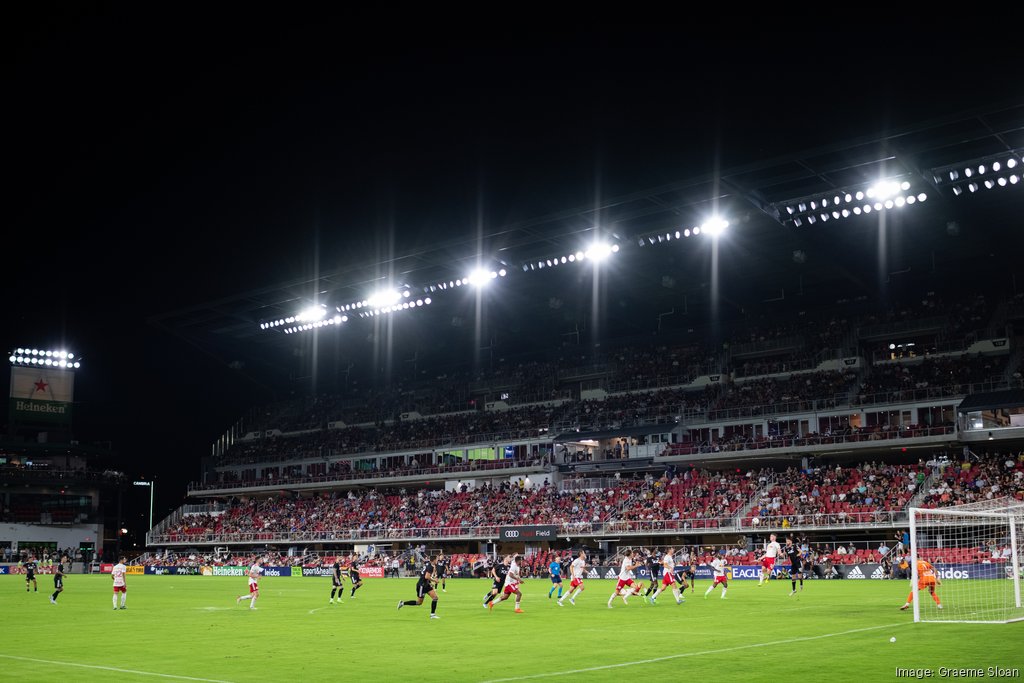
x=928 y=578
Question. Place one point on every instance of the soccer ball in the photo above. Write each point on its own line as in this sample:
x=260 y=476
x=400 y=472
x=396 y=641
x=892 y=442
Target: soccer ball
x=893 y=639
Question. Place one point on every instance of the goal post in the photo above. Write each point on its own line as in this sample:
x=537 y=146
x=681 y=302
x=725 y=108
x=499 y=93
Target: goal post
x=974 y=561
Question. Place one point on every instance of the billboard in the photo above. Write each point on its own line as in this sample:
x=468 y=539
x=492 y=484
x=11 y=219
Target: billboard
x=535 y=532
x=41 y=394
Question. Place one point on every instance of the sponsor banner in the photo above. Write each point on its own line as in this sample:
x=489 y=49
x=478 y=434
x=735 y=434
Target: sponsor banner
x=39 y=570
x=40 y=411
x=751 y=571
x=229 y=571
x=371 y=572
x=173 y=571
x=317 y=571
x=105 y=568
x=135 y=569
x=529 y=533
x=277 y=571
x=4 y=569
x=971 y=571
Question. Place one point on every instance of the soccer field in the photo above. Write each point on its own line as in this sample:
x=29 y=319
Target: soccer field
x=190 y=629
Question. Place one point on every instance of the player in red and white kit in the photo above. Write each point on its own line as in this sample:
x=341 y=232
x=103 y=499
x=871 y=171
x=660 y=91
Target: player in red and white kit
x=511 y=586
x=772 y=550
x=254 y=585
x=668 y=577
x=577 y=570
x=720 y=568
x=626 y=586
x=118 y=573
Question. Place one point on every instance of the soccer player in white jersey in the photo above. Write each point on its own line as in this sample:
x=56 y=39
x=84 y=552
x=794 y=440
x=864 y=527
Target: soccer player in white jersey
x=668 y=577
x=511 y=585
x=720 y=568
x=254 y=585
x=772 y=550
x=577 y=570
x=118 y=573
x=626 y=587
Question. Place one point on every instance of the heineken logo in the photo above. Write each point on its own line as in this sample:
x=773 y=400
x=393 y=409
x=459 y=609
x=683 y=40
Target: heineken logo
x=39 y=407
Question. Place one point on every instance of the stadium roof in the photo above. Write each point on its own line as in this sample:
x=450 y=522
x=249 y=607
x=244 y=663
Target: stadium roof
x=1011 y=398
x=762 y=201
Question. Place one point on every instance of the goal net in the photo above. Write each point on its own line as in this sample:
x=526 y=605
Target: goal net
x=965 y=562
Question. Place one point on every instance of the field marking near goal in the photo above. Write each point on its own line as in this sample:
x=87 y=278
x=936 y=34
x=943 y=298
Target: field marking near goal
x=682 y=655
x=112 y=668
x=317 y=609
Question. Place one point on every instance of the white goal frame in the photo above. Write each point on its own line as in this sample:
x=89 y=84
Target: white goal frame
x=1007 y=511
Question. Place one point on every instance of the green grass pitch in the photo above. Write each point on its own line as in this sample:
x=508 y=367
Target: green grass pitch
x=189 y=628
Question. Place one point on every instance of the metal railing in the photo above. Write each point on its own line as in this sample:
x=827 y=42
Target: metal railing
x=782 y=443
x=474 y=467
x=884 y=518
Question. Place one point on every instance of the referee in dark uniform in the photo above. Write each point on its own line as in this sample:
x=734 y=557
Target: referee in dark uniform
x=58 y=581
x=796 y=564
x=426 y=585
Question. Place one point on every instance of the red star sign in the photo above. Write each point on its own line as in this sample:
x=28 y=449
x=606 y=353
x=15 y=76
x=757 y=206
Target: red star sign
x=41 y=385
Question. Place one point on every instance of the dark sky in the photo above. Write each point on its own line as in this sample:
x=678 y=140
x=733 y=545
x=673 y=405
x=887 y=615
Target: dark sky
x=157 y=161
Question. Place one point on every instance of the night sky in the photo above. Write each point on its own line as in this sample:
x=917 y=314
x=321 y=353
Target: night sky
x=156 y=161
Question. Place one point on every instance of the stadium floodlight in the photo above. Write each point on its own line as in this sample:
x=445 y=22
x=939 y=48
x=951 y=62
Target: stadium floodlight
x=599 y=251
x=315 y=312
x=53 y=358
x=1011 y=163
x=386 y=297
x=716 y=226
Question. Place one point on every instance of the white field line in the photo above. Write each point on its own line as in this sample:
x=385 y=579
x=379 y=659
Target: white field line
x=112 y=668
x=723 y=650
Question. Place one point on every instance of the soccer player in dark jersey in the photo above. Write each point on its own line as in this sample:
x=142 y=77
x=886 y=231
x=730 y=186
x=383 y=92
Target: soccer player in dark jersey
x=337 y=581
x=427 y=585
x=30 y=574
x=499 y=569
x=796 y=569
x=353 y=576
x=442 y=571
x=653 y=563
x=58 y=581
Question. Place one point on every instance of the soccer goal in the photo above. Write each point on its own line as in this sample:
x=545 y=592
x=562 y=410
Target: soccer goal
x=975 y=551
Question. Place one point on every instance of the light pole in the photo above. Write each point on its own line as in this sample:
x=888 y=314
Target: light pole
x=152 y=486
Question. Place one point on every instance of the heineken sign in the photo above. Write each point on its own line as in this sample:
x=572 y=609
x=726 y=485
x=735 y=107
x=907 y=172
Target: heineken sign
x=49 y=411
x=42 y=394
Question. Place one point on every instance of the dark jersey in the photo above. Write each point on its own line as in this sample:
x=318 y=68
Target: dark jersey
x=58 y=576
x=793 y=553
x=442 y=569
x=336 y=577
x=427 y=573
x=653 y=565
x=500 y=571
x=30 y=570
x=353 y=569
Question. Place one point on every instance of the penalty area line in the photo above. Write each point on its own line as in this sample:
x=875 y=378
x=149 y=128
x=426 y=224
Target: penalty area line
x=111 y=668
x=682 y=655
